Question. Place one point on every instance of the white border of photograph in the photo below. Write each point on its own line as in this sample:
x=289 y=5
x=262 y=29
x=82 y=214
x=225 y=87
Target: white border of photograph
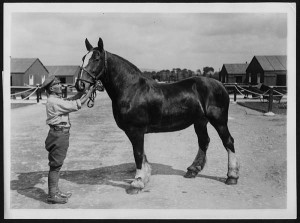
x=288 y=213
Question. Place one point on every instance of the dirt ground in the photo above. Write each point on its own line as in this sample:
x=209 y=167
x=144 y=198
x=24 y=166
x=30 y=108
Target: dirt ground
x=100 y=164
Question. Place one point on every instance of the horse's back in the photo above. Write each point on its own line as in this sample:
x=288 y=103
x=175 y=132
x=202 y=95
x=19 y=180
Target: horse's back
x=212 y=96
x=173 y=106
x=206 y=88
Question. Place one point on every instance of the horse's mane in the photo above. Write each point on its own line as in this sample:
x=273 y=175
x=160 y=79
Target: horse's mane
x=137 y=70
x=130 y=64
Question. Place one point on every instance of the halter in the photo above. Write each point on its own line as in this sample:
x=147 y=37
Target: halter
x=96 y=81
x=95 y=78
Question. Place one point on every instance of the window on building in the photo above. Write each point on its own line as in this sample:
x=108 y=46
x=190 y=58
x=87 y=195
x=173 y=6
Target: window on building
x=238 y=79
x=31 y=77
x=281 y=80
x=62 y=80
x=258 y=78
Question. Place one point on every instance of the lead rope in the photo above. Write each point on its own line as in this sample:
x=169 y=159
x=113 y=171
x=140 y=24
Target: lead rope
x=99 y=87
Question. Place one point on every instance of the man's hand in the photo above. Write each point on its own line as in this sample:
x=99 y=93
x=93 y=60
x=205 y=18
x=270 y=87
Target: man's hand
x=87 y=95
x=90 y=90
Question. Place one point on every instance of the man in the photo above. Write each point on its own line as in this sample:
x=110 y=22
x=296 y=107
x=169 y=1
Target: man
x=57 y=141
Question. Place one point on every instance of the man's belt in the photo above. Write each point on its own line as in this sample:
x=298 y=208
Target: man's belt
x=59 y=128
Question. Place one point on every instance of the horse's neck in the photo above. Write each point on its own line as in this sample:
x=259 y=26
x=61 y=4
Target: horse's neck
x=120 y=75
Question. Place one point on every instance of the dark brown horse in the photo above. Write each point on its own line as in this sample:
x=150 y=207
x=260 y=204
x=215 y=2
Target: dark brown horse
x=141 y=105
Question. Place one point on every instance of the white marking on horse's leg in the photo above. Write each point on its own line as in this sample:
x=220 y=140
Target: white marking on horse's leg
x=147 y=169
x=140 y=173
x=233 y=165
x=144 y=174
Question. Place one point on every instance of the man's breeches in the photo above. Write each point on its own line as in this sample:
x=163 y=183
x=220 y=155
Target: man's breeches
x=57 y=144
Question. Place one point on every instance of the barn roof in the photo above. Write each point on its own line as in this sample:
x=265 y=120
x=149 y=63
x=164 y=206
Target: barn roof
x=236 y=68
x=63 y=70
x=271 y=63
x=21 y=65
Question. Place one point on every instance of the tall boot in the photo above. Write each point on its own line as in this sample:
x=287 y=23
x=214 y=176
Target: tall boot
x=53 y=197
x=59 y=192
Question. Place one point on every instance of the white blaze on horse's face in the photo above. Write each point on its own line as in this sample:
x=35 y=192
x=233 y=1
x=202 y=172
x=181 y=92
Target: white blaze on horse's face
x=86 y=60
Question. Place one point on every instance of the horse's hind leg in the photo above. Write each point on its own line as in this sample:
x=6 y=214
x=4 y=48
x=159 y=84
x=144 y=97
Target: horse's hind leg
x=203 y=141
x=228 y=142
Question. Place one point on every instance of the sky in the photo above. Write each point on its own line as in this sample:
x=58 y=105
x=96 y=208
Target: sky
x=149 y=40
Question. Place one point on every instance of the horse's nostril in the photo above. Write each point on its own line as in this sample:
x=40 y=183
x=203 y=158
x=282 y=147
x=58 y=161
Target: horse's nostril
x=79 y=85
x=82 y=85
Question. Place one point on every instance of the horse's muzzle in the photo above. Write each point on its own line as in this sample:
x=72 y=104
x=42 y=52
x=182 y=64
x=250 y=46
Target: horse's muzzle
x=79 y=85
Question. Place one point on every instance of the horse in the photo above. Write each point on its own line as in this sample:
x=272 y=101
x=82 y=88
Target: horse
x=141 y=105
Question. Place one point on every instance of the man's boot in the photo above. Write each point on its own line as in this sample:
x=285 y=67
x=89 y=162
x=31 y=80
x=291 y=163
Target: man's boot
x=53 y=196
x=59 y=192
x=56 y=199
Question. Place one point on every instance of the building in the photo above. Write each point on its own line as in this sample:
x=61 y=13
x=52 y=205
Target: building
x=216 y=76
x=233 y=73
x=268 y=70
x=27 y=72
x=66 y=74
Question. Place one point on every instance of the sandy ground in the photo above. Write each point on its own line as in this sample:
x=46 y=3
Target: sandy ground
x=100 y=163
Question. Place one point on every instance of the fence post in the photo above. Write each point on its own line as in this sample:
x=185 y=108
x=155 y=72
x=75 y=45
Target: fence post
x=270 y=99
x=66 y=91
x=40 y=91
x=270 y=113
x=37 y=94
x=234 y=92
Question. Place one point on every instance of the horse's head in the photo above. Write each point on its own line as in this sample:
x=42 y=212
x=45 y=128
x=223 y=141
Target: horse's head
x=93 y=67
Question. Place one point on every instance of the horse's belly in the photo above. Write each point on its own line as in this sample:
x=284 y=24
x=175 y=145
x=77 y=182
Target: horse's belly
x=170 y=123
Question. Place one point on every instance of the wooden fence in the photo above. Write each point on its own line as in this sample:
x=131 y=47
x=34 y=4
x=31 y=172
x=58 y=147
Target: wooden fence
x=262 y=92
x=28 y=91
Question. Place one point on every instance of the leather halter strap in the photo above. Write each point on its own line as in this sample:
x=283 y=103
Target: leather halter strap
x=95 y=78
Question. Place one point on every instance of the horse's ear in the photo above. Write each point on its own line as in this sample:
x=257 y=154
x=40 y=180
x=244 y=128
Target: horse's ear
x=100 y=44
x=89 y=47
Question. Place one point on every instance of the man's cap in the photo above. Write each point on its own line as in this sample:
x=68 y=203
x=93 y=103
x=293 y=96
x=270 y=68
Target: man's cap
x=48 y=81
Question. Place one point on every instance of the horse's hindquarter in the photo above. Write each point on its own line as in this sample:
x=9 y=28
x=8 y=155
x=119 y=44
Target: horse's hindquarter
x=191 y=100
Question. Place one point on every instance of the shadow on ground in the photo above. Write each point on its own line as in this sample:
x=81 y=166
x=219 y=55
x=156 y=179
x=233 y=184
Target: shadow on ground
x=25 y=184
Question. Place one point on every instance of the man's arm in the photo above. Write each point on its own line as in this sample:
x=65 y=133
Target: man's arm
x=67 y=106
x=84 y=98
x=79 y=95
x=75 y=97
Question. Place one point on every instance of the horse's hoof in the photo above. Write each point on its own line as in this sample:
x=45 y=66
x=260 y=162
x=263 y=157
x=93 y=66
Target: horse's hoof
x=190 y=174
x=231 y=181
x=138 y=183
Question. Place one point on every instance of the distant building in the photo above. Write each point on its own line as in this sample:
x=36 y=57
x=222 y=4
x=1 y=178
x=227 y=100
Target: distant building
x=66 y=74
x=216 y=76
x=27 y=71
x=268 y=70
x=233 y=73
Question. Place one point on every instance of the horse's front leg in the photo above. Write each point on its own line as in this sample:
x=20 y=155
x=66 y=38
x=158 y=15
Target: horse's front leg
x=143 y=168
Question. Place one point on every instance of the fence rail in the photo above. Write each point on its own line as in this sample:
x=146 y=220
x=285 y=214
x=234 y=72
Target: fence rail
x=28 y=91
x=270 y=93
